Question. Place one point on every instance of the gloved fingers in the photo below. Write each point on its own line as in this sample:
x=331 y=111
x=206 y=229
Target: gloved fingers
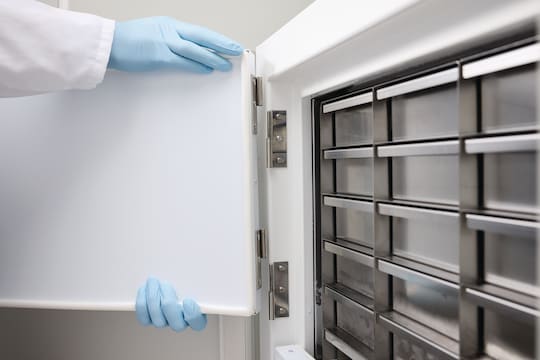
x=171 y=308
x=140 y=307
x=153 y=302
x=193 y=315
x=174 y=61
x=199 y=54
x=209 y=39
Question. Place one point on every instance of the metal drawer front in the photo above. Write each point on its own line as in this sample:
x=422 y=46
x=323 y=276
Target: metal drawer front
x=507 y=338
x=416 y=339
x=348 y=345
x=352 y=315
x=354 y=126
x=426 y=178
x=510 y=181
x=509 y=100
x=356 y=323
x=353 y=219
x=426 y=114
x=405 y=350
x=356 y=226
x=510 y=249
x=354 y=275
x=423 y=235
x=428 y=300
x=435 y=306
x=349 y=102
x=354 y=176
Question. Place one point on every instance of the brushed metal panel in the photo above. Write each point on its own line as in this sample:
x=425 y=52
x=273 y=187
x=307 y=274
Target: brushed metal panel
x=354 y=126
x=509 y=99
x=426 y=114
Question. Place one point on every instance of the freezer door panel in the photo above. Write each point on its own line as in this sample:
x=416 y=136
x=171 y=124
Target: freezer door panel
x=147 y=175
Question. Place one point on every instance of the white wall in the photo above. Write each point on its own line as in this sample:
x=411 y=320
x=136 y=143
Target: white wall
x=247 y=21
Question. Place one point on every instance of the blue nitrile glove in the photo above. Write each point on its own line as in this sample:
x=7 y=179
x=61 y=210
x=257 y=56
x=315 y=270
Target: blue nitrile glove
x=165 y=43
x=157 y=304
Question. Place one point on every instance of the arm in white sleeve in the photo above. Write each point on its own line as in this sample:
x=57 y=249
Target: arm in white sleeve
x=44 y=49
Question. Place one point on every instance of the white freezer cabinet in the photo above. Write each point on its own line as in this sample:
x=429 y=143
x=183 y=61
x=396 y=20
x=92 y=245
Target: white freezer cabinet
x=366 y=193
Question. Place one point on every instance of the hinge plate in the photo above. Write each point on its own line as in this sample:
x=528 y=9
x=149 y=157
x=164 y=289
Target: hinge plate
x=261 y=252
x=257 y=100
x=279 y=290
x=276 y=139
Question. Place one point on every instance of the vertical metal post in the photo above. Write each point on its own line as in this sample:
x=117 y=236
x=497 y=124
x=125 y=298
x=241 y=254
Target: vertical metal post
x=326 y=173
x=470 y=247
x=381 y=227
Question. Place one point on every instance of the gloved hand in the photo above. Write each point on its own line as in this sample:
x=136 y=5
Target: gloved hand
x=157 y=304
x=165 y=43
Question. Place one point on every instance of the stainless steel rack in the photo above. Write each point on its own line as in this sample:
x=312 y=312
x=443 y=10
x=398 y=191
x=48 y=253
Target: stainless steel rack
x=427 y=213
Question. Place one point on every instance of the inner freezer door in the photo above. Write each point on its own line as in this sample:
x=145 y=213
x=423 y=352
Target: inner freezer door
x=147 y=175
x=427 y=211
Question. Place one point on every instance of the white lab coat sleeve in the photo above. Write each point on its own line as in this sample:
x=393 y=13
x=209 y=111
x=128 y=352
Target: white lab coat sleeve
x=44 y=49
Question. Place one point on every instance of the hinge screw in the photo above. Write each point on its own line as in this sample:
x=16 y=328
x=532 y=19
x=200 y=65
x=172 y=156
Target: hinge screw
x=282 y=310
x=279 y=138
x=281 y=267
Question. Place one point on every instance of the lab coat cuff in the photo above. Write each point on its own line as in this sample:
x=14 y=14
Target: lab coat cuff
x=99 y=66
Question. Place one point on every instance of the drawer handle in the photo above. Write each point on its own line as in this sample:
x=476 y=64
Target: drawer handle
x=450 y=147
x=394 y=327
x=337 y=296
x=499 y=144
x=409 y=212
x=349 y=153
x=421 y=83
x=411 y=275
x=500 y=304
x=347 y=345
x=360 y=205
x=521 y=228
x=361 y=99
x=349 y=254
x=510 y=59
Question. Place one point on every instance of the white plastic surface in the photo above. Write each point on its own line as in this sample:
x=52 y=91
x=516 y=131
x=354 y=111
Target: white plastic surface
x=149 y=174
x=291 y=352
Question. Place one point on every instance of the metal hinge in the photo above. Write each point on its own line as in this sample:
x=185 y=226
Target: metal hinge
x=278 y=296
x=261 y=252
x=257 y=100
x=276 y=139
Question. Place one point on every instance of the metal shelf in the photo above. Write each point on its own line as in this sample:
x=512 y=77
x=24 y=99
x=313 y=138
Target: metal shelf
x=348 y=344
x=415 y=332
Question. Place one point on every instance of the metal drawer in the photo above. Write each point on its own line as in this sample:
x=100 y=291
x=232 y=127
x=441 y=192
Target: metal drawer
x=428 y=300
x=509 y=165
x=432 y=305
x=354 y=126
x=509 y=99
x=424 y=171
x=508 y=338
x=354 y=176
x=406 y=350
x=426 y=114
x=356 y=226
x=354 y=219
x=354 y=275
x=424 y=235
x=428 y=178
x=510 y=252
x=510 y=181
x=354 y=170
